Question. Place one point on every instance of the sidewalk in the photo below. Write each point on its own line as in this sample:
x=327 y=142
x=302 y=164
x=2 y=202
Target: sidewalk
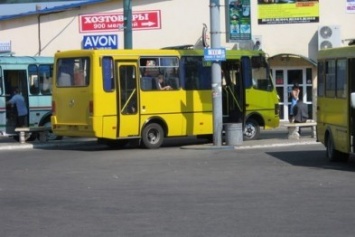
x=277 y=137
x=268 y=138
x=8 y=143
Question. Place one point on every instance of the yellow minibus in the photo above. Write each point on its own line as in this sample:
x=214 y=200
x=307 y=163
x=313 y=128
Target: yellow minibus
x=116 y=96
x=335 y=113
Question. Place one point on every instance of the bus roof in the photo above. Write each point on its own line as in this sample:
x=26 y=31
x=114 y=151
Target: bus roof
x=25 y=60
x=149 y=52
x=341 y=52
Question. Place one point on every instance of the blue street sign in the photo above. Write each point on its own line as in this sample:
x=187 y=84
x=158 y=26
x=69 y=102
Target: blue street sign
x=100 y=42
x=218 y=54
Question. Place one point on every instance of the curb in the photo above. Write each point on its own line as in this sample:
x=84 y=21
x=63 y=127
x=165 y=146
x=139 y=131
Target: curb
x=259 y=144
x=277 y=145
x=23 y=146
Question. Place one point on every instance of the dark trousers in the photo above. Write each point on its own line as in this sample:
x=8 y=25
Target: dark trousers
x=22 y=121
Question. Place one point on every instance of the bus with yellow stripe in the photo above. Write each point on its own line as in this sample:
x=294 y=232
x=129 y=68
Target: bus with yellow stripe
x=335 y=101
x=115 y=96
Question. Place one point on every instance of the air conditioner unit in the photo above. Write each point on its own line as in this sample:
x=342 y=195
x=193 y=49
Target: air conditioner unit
x=328 y=36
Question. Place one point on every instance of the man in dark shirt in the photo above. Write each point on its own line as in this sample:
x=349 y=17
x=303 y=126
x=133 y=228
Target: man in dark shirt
x=300 y=113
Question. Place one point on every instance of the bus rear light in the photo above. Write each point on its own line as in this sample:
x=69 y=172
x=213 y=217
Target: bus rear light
x=91 y=108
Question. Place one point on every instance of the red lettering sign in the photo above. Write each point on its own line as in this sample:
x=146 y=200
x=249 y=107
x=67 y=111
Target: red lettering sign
x=141 y=20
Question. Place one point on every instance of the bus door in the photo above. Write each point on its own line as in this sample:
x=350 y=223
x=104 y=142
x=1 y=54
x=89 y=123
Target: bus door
x=234 y=96
x=128 y=102
x=14 y=79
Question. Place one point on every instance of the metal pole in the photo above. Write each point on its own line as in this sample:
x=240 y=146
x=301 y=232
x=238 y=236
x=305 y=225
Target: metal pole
x=216 y=74
x=127 y=12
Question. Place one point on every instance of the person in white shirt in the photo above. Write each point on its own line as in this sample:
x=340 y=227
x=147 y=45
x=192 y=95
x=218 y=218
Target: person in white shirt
x=161 y=83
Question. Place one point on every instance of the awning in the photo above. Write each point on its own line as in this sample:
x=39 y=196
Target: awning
x=290 y=55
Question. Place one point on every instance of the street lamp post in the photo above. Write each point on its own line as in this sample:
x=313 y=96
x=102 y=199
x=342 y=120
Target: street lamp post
x=127 y=12
x=216 y=74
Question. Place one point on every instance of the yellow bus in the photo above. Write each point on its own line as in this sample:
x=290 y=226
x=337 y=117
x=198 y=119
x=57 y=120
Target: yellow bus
x=335 y=115
x=115 y=96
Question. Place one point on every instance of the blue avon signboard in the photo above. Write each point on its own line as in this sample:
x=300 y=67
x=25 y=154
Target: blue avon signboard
x=100 y=42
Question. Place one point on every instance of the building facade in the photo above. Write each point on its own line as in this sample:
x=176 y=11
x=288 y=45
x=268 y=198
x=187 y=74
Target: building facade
x=290 y=32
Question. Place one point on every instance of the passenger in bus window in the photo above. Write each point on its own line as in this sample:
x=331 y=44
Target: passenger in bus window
x=79 y=79
x=162 y=85
x=22 y=111
x=46 y=85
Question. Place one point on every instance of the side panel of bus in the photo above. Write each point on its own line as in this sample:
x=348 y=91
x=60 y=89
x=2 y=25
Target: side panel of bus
x=263 y=102
x=332 y=120
x=186 y=113
x=333 y=106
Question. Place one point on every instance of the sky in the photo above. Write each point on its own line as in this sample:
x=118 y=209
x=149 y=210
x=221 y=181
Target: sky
x=11 y=9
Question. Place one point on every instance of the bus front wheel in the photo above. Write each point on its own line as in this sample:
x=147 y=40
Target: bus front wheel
x=251 y=130
x=333 y=154
x=152 y=136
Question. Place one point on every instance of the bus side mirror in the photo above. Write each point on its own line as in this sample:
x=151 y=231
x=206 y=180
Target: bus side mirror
x=352 y=100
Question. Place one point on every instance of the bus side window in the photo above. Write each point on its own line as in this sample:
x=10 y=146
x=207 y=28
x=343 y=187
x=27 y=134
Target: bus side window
x=46 y=85
x=107 y=74
x=192 y=83
x=147 y=83
x=34 y=88
x=174 y=82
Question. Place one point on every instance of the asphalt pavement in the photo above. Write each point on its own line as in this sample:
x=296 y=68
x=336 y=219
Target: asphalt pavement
x=268 y=138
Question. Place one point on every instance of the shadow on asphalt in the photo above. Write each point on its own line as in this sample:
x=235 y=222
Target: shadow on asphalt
x=94 y=146
x=90 y=144
x=318 y=160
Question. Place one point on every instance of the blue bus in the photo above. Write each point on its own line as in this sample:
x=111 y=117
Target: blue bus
x=33 y=77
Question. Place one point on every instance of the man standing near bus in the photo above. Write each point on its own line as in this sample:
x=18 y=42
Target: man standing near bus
x=22 y=111
x=300 y=113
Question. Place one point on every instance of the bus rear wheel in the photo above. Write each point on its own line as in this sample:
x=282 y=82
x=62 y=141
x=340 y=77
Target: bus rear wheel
x=333 y=154
x=152 y=136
